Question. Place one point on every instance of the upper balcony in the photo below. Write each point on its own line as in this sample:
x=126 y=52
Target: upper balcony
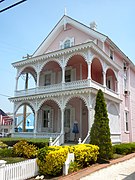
x=80 y=84
x=74 y=72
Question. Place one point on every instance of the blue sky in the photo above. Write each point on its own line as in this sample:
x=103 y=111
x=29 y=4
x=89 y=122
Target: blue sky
x=25 y=26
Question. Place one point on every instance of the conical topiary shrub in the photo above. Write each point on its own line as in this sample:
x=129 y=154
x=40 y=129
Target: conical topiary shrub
x=100 y=131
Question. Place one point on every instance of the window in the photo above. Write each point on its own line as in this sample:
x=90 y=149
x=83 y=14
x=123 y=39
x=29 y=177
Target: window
x=109 y=82
x=67 y=44
x=111 y=54
x=126 y=121
x=46 y=118
x=68 y=76
x=47 y=79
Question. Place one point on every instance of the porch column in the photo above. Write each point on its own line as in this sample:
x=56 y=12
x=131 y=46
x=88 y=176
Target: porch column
x=16 y=85
x=63 y=75
x=104 y=78
x=35 y=123
x=89 y=70
x=38 y=79
x=62 y=121
x=89 y=119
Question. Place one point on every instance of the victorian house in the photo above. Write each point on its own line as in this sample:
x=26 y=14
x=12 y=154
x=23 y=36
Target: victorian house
x=68 y=68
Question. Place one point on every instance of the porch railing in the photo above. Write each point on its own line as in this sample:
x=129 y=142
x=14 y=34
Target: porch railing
x=85 y=83
x=46 y=135
x=58 y=141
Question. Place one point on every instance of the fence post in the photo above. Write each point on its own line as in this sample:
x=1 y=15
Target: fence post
x=70 y=158
x=2 y=164
x=50 y=141
x=79 y=141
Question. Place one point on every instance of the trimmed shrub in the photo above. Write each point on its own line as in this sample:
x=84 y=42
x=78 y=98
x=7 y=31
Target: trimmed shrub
x=85 y=154
x=39 y=143
x=73 y=167
x=6 y=152
x=2 y=145
x=23 y=149
x=100 y=131
x=125 y=148
x=51 y=160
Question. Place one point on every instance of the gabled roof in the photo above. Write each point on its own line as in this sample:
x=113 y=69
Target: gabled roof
x=2 y=113
x=59 y=26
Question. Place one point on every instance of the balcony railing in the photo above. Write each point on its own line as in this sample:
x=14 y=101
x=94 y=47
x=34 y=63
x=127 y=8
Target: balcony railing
x=80 y=84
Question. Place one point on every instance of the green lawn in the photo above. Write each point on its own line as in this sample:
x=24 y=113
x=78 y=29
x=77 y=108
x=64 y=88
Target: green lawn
x=11 y=160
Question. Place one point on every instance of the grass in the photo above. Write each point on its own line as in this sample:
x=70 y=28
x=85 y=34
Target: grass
x=28 y=139
x=116 y=156
x=11 y=160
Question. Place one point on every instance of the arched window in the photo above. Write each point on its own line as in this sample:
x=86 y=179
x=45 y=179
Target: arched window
x=67 y=42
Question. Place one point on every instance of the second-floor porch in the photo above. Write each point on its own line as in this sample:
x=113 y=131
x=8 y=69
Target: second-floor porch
x=80 y=84
x=84 y=68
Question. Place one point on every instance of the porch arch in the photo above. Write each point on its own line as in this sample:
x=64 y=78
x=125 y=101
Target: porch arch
x=75 y=54
x=31 y=80
x=97 y=71
x=26 y=67
x=24 y=118
x=22 y=104
x=49 y=117
x=50 y=73
x=111 y=80
x=48 y=99
x=76 y=68
x=49 y=61
x=77 y=113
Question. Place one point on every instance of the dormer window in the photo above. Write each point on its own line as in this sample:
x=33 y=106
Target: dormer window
x=111 y=54
x=68 y=42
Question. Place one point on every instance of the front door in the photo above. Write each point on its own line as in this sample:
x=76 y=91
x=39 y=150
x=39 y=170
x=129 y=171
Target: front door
x=68 y=124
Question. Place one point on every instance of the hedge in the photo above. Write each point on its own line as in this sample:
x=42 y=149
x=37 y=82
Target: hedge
x=39 y=143
x=125 y=148
x=51 y=159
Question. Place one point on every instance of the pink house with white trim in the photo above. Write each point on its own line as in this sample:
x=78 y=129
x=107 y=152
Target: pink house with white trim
x=68 y=68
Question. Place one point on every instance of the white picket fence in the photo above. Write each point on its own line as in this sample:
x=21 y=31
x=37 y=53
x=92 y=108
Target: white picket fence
x=19 y=171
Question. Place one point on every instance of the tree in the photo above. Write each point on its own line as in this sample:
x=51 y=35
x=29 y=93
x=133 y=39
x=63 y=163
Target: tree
x=100 y=131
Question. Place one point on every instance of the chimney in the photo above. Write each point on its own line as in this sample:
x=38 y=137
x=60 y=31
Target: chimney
x=93 y=25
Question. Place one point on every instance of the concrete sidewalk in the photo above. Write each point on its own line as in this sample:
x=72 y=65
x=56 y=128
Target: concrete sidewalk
x=118 y=169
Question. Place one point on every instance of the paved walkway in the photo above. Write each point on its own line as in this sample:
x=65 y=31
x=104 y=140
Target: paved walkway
x=118 y=169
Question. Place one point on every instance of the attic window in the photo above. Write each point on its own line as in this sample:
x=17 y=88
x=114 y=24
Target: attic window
x=66 y=43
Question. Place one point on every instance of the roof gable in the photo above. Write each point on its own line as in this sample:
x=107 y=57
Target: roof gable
x=62 y=25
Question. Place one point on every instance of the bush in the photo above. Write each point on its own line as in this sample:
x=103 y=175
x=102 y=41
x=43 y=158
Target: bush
x=73 y=167
x=51 y=160
x=6 y=152
x=39 y=143
x=23 y=149
x=125 y=148
x=85 y=154
x=2 y=145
